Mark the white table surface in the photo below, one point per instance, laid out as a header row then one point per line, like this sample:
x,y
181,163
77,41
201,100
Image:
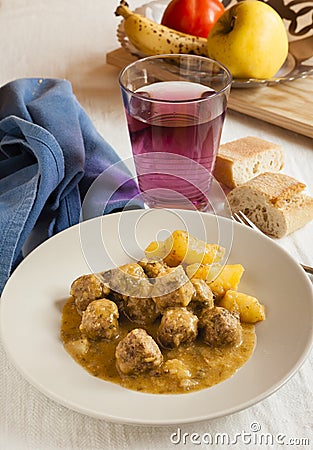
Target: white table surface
x,y
69,39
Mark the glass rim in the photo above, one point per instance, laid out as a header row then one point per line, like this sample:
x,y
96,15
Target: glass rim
x,y
168,56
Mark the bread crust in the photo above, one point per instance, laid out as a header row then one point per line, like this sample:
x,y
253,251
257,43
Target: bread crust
x,y
240,160
277,187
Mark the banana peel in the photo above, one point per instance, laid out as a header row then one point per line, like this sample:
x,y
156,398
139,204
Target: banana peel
x,y
151,38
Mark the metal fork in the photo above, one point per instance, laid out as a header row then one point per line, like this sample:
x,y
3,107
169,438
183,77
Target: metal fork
x,y
240,217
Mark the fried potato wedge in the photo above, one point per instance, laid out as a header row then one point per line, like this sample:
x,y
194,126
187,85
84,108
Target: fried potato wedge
x,y
228,278
181,247
249,307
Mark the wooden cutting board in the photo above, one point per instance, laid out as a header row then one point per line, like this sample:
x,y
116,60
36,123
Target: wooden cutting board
x,y
288,105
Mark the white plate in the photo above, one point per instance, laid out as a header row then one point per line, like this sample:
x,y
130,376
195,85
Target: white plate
x,y
33,297
291,70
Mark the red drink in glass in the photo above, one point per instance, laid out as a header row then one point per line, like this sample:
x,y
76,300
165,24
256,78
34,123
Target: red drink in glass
x,y
175,127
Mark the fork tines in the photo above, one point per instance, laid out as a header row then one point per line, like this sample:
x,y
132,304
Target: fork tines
x,y
240,217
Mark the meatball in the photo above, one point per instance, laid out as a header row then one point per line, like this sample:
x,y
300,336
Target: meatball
x,y
152,268
87,288
100,320
118,299
172,288
177,325
137,353
140,310
202,292
202,297
130,280
219,327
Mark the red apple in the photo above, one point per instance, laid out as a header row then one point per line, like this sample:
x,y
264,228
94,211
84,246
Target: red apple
x,y
195,17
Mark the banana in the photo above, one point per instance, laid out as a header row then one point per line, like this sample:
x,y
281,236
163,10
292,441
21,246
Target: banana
x,y
152,38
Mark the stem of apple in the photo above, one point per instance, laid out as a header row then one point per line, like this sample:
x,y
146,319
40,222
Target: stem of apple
x,y
232,22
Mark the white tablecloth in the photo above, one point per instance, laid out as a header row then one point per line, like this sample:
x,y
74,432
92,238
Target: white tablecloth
x,y
69,39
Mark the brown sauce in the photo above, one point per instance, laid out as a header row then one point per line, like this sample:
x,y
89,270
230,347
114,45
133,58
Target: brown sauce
x,y
206,366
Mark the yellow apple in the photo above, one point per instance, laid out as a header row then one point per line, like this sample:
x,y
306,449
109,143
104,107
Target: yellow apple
x,y
249,38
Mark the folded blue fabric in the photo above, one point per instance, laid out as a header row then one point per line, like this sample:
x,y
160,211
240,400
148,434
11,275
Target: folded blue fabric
x,y
50,156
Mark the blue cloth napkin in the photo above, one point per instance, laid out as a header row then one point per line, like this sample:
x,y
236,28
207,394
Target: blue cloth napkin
x,y
50,156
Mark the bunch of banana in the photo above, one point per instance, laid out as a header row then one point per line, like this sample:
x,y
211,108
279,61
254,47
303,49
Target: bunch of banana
x,y
152,38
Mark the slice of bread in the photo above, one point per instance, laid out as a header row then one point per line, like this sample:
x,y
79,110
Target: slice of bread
x,y
274,202
239,161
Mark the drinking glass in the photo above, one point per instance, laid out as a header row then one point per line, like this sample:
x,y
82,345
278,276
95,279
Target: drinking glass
x,y
175,108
